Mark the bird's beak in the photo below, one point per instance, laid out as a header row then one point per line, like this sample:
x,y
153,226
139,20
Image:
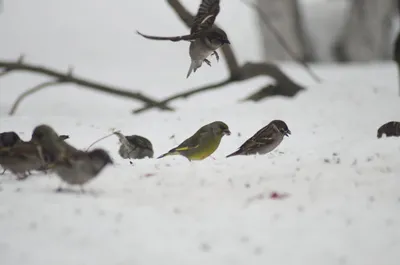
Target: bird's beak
x,y
227,132
227,41
287,133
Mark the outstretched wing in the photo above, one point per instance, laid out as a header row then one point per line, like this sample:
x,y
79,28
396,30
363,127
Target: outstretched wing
x,y
175,38
205,17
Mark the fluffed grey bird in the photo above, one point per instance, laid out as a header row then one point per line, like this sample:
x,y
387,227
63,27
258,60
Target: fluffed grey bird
x,y
73,166
390,129
205,38
10,139
265,140
21,158
134,146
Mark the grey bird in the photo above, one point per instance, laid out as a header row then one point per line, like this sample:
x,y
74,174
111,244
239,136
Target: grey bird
x,y
73,166
265,140
205,38
21,158
10,139
134,146
390,129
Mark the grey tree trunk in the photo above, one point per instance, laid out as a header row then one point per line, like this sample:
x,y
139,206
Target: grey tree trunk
x,y
366,35
396,56
286,17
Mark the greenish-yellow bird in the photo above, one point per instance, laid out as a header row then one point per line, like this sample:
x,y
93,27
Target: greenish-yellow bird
x,y
203,143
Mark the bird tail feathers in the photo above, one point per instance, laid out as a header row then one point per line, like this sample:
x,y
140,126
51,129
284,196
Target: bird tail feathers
x,y
193,67
238,152
172,152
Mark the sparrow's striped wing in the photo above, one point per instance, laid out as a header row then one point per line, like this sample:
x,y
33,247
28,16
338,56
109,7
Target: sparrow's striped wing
x,y
205,17
263,137
175,38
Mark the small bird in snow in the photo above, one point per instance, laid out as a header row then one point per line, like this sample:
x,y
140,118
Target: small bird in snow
x,y
8,139
73,166
391,128
204,38
21,158
134,146
265,140
203,143
11,139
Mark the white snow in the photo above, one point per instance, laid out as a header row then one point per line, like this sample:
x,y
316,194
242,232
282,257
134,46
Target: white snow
x,y
171,211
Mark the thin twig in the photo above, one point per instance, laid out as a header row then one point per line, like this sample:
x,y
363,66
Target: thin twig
x,y
102,138
188,94
22,66
31,91
280,39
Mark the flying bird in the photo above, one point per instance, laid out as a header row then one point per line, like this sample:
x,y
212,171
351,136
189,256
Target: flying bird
x,y
204,37
201,144
265,140
390,129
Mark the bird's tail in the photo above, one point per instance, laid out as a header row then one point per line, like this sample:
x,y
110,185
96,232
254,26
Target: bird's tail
x,y
238,152
170,152
193,67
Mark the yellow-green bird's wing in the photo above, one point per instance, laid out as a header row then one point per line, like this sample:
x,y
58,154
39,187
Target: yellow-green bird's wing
x,y
190,143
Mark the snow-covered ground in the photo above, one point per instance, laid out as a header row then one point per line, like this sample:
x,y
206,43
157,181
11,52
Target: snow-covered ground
x,y
342,183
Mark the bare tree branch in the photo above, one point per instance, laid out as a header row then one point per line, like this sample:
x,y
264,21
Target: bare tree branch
x,y
32,91
285,86
188,94
280,39
21,66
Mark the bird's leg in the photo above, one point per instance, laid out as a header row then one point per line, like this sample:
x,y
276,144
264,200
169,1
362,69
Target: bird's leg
x,y
29,173
4,170
213,157
216,55
207,62
82,190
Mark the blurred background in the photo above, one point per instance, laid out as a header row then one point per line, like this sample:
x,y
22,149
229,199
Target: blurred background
x,y
332,30
97,38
